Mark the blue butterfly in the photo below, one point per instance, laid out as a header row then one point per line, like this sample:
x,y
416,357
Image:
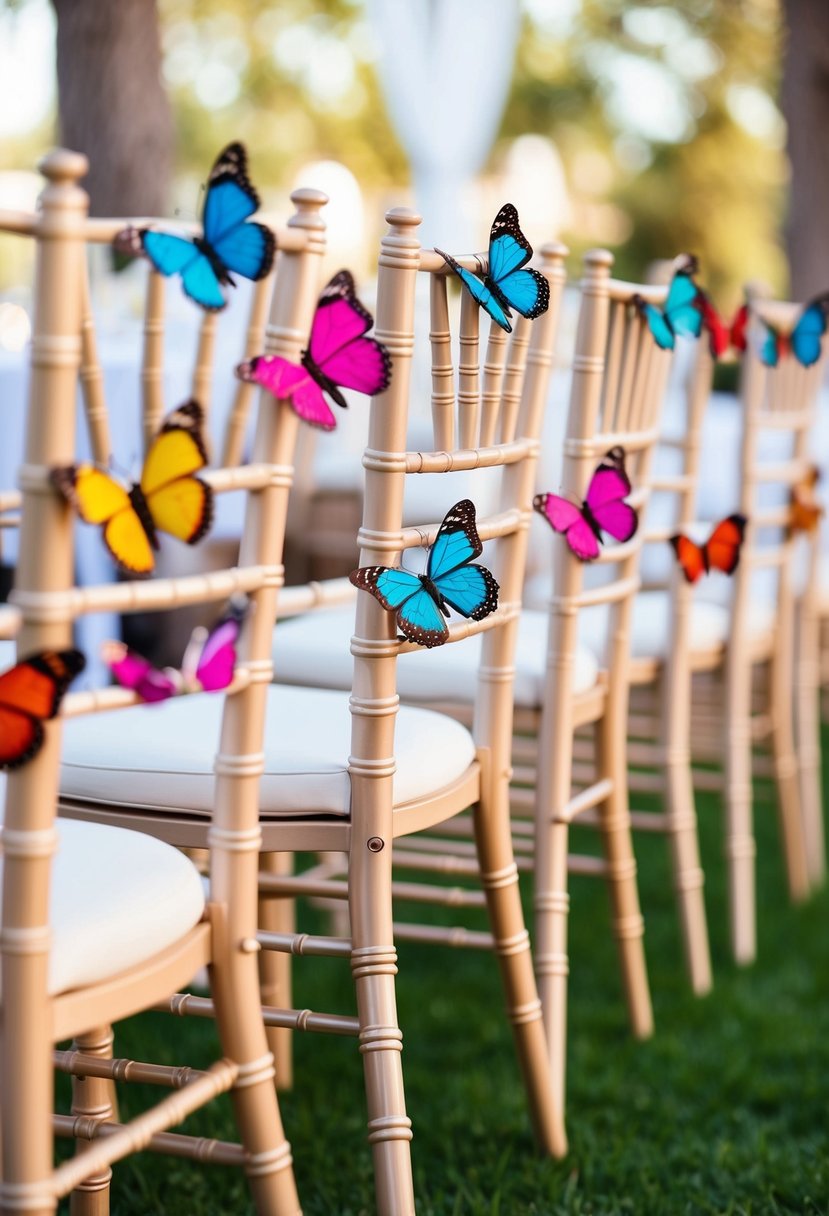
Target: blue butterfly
x,y
682,311
228,243
505,285
806,339
420,600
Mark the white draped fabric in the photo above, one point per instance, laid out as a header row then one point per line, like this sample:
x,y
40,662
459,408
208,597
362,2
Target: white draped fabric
x,y
445,68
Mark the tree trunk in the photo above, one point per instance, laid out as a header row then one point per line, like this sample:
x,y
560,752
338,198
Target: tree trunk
x,y
112,102
805,98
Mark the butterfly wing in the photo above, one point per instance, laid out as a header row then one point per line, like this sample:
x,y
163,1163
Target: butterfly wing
x,y
292,383
133,671
472,591
527,291
719,335
682,307
771,347
565,517
509,249
247,249
179,503
806,338
177,255
738,328
479,291
30,693
661,329
609,485
724,544
217,661
418,616
98,499
338,345
690,556
456,543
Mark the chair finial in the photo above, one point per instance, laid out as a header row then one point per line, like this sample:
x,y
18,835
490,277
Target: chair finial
x,y
400,246
62,166
598,259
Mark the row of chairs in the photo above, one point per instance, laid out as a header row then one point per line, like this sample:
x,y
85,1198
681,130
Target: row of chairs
x,y
374,757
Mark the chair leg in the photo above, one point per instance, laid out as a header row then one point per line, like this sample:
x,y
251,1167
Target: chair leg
x,y
499,878
234,982
551,905
689,878
786,774
807,724
623,889
740,847
373,967
92,1097
275,967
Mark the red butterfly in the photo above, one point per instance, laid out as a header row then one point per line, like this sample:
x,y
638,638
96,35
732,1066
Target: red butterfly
x,y
720,552
722,337
30,693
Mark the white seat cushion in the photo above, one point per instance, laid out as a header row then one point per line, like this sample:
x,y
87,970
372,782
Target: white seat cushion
x,y
117,899
161,756
314,650
650,632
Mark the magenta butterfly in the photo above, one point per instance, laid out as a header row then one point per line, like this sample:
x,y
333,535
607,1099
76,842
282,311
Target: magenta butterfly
x,y
603,510
207,666
339,355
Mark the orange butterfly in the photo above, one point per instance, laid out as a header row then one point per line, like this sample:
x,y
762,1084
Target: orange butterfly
x,y
720,552
168,497
805,510
30,693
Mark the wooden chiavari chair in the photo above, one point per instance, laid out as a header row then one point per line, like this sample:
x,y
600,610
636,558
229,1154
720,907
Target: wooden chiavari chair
x,y
618,388
97,922
749,667
317,795
782,401
673,635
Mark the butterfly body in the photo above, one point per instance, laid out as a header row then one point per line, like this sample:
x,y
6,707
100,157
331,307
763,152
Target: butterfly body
x,y
603,509
682,312
506,284
30,694
339,355
229,241
720,552
451,580
167,498
142,510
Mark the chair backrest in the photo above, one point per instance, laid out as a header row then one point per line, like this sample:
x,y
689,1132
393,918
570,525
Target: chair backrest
x,y
778,415
618,388
45,602
104,231
492,421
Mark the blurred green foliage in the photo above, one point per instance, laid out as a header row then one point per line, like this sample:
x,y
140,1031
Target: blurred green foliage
x,y
663,115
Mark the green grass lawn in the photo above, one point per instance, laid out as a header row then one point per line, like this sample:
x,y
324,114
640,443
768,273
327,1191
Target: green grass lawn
x,y
723,1111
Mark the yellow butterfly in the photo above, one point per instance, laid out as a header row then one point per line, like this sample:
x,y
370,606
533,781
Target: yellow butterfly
x,y
168,498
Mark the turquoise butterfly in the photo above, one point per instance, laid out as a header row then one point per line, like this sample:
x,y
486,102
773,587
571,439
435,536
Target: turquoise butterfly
x,y
506,285
420,600
683,309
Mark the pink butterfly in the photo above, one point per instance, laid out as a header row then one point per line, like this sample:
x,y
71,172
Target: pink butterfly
x,y
339,355
207,666
603,509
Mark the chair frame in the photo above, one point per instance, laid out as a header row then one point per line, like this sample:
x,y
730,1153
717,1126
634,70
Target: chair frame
x,y
45,603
